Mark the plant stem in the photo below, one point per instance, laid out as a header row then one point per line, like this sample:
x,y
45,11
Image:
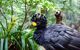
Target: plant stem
x,y
25,15
2,13
11,10
2,27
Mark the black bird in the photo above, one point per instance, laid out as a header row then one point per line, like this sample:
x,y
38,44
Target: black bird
x,y
57,36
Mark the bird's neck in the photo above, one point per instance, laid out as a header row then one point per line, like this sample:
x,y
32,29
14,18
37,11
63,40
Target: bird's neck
x,y
41,27
59,20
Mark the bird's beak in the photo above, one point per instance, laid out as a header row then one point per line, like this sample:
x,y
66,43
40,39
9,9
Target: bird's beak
x,y
34,24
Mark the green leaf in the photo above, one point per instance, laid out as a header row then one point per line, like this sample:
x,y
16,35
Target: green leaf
x,y
23,43
2,44
6,43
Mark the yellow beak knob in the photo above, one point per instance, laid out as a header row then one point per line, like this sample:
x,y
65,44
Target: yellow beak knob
x,y
34,23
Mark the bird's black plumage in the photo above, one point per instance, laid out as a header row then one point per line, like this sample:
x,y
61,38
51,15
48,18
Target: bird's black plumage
x,y
55,37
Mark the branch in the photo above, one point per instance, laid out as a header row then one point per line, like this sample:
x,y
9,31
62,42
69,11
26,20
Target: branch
x,y
11,10
2,26
4,18
25,15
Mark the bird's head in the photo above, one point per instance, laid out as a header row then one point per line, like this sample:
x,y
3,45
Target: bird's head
x,y
58,14
39,20
59,17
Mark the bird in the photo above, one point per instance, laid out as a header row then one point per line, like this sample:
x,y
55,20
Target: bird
x,y
55,37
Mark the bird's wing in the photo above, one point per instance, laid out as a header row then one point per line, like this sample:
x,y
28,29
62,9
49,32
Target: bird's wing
x,y
74,44
61,36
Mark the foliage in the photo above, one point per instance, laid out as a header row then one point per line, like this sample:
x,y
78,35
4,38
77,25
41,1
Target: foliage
x,y
15,15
